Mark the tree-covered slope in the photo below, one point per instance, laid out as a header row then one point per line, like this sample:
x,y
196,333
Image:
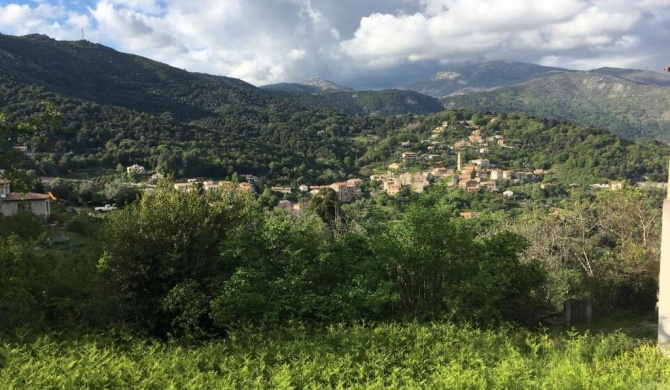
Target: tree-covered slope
x,y
121,109
375,103
480,77
631,109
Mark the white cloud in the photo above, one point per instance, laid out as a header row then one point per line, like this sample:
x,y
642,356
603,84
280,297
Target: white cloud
x,y
265,41
449,29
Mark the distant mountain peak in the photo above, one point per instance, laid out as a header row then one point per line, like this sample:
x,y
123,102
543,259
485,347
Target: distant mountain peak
x,y
324,84
482,76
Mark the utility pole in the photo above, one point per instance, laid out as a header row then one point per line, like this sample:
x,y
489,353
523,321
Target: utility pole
x,y
664,277
664,274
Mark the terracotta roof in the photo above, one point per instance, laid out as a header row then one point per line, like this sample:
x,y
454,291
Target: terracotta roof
x,y
16,197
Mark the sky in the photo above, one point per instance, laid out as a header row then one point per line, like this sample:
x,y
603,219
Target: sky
x,y
358,43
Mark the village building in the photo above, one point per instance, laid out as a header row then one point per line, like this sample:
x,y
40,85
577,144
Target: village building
x,y
490,185
392,187
469,214
440,173
482,163
507,174
189,186
346,192
283,190
409,156
211,186
13,202
526,176
496,174
244,186
293,208
135,168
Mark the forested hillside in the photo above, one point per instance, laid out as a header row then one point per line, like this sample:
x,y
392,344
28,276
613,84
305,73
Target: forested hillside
x,y
123,109
118,109
631,109
221,286
374,103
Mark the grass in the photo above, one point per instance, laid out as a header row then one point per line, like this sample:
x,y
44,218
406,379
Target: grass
x,y
385,356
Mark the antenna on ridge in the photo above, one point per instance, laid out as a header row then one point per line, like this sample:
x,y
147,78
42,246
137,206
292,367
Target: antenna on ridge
x,y
82,34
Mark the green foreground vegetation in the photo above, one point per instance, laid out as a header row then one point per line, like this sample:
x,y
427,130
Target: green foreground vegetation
x,y
383,356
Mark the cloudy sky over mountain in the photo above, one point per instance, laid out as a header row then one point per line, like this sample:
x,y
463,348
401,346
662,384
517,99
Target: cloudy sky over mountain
x,y
359,43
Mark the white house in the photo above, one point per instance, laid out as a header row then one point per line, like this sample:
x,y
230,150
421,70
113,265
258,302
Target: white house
x,y
13,202
135,169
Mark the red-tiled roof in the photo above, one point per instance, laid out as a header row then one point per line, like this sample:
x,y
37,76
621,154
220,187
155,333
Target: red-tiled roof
x,y
16,197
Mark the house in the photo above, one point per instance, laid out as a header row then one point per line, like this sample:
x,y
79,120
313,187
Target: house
x,y
244,186
526,176
21,148
482,163
409,156
395,166
190,186
13,202
496,174
303,188
508,194
157,176
475,138
210,186
283,190
346,192
469,214
440,173
250,178
470,185
392,188
354,182
420,185
405,144
293,208
490,185
135,169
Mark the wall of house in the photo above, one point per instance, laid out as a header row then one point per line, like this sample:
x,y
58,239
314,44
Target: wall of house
x,y
41,208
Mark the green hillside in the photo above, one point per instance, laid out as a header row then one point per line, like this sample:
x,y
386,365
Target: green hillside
x,y
374,103
631,109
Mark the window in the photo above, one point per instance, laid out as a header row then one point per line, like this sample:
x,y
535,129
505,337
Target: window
x,y
25,206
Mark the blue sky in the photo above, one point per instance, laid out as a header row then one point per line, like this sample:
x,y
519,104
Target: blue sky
x,y
359,43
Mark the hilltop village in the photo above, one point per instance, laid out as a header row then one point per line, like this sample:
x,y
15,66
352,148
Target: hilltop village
x,y
419,165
